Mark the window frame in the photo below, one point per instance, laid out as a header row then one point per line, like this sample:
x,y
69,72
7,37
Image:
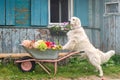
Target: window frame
x,y
70,12
108,3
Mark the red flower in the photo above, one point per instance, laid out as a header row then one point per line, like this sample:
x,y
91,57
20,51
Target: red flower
x,y
49,44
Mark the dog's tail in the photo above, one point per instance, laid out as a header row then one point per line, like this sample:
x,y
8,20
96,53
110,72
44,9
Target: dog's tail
x,y
108,55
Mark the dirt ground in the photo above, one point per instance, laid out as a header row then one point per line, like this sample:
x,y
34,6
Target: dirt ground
x,y
90,78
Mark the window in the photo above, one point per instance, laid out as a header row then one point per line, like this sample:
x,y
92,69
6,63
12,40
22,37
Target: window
x,y
112,7
60,11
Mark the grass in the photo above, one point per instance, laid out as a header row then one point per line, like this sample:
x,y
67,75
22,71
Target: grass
x,y
74,69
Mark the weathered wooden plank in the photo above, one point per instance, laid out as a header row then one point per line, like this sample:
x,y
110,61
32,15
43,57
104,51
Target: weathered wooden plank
x,y
37,34
89,34
10,12
44,34
55,39
2,12
62,40
111,0
15,40
30,34
81,10
109,31
35,12
112,33
65,39
14,55
92,21
97,11
7,44
58,39
105,32
20,55
1,38
96,38
22,13
117,37
44,12
90,13
39,12
48,34
23,36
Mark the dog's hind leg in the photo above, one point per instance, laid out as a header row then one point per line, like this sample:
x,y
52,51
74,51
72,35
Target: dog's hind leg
x,y
96,63
100,70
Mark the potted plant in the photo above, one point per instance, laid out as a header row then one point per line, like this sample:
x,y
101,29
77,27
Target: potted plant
x,y
59,30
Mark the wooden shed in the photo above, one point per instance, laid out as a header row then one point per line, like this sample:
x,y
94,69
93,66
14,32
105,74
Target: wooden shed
x,y
30,19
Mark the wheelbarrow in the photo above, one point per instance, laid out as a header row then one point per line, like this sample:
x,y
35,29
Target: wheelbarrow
x,y
27,64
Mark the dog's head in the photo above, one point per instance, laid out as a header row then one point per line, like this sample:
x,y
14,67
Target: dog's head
x,y
75,22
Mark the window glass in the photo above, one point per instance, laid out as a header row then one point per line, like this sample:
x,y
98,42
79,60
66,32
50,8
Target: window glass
x,y
54,9
64,10
58,11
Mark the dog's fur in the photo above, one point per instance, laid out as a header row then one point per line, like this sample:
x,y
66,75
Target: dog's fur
x,y
78,41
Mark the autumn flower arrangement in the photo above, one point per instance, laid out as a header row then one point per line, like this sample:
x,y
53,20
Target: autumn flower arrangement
x,y
41,45
60,30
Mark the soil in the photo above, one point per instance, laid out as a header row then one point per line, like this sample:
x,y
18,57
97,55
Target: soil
x,y
91,78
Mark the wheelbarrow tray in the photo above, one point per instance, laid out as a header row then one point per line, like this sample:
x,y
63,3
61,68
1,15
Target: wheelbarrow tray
x,y
48,54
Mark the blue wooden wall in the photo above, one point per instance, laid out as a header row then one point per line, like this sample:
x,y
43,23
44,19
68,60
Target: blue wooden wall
x,y
2,12
10,12
39,12
24,13
81,11
35,12
7,12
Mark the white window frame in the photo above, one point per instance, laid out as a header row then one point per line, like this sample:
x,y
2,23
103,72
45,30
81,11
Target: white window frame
x,y
70,12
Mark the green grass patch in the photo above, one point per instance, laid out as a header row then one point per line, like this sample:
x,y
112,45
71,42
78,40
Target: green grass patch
x,y
74,69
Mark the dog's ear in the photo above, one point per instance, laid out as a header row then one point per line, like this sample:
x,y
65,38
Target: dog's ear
x,y
78,22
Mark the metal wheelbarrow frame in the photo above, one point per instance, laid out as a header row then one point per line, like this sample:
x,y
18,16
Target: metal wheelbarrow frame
x,y
27,64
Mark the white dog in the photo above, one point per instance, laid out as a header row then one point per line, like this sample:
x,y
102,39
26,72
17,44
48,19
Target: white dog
x,y
78,41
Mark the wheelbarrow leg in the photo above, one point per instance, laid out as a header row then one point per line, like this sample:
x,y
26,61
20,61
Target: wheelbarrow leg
x,y
43,68
55,68
46,67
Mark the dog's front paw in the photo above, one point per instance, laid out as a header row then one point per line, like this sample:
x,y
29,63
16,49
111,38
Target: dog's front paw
x,y
63,48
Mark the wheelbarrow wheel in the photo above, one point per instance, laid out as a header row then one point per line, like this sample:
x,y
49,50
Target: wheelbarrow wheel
x,y
27,66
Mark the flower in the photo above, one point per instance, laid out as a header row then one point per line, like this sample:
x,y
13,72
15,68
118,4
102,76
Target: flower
x,y
27,43
60,29
41,45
